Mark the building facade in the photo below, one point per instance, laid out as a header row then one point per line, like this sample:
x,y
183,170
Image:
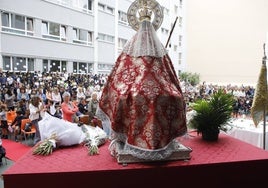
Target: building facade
x,y
76,36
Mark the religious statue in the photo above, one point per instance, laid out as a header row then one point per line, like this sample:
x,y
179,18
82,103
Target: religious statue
x,y
142,98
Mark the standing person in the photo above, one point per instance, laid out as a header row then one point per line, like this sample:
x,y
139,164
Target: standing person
x,y
41,94
93,104
9,100
3,119
10,80
80,94
56,96
69,108
36,112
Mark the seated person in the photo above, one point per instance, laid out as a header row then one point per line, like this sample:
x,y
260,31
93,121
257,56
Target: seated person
x,y
82,106
53,108
16,124
22,106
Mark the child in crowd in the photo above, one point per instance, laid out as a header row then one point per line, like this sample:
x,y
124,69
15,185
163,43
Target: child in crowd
x,y
3,118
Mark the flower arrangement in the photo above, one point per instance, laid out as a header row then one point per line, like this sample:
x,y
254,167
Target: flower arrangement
x,y
47,146
57,132
95,137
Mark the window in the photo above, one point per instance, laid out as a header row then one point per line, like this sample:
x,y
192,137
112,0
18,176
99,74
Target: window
x,y
176,9
80,5
110,10
82,68
54,66
90,67
5,19
105,8
63,33
180,40
17,24
175,48
53,31
101,7
75,67
122,16
63,66
18,64
29,26
101,36
90,5
121,43
66,2
6,63
180,21
82,36
110,38
84,4
90,37
45,65
180,57
44,28
105,66
30,64
104,37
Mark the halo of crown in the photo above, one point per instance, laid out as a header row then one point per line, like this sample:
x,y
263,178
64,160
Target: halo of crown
x,y
141,10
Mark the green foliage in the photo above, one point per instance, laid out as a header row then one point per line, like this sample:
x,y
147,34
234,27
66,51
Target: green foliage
x,y
212,114
192,78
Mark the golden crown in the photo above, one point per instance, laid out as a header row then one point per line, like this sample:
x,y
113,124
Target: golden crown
x,y
144,11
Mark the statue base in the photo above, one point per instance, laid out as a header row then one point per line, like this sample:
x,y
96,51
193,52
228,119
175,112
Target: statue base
x,y
180,152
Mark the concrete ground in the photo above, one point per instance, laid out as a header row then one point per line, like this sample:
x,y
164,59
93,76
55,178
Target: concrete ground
x,y
6,164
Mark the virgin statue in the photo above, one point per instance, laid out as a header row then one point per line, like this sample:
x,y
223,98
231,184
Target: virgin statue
x,y
142,98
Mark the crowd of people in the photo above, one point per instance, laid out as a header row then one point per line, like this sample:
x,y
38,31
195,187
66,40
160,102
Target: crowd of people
x,y
243,95
68,96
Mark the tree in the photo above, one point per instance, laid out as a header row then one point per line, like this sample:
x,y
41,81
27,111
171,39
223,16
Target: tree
x,y
192,78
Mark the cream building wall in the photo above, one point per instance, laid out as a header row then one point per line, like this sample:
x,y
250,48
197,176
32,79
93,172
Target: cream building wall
x,y
224,39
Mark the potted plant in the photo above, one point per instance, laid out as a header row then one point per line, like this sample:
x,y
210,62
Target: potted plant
x,y
211,115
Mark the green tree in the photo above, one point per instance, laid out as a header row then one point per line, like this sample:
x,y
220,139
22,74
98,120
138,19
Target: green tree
x,y
192,78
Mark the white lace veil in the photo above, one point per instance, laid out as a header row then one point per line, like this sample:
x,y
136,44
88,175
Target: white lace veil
x,y
145,42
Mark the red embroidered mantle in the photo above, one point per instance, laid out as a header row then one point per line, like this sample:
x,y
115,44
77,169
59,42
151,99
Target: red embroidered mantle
x,y
144,101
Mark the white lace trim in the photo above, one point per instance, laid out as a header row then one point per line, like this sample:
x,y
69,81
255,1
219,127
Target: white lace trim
x,y
145,154
145,42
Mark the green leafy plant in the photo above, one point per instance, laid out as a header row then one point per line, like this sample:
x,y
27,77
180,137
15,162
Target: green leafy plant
x,y
211,115
192,78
